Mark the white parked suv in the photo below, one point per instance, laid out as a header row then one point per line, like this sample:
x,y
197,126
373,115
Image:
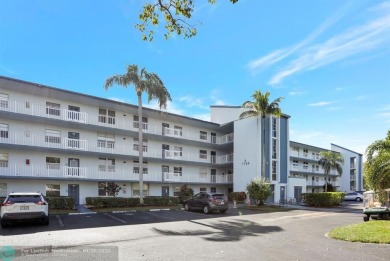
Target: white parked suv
x,y
19,206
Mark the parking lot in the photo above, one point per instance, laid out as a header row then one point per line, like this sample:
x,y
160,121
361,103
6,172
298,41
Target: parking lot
x,y
79,221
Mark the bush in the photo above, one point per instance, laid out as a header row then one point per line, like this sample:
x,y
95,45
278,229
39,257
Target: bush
x,y
237,196
60,202
111,202
185,193
323,199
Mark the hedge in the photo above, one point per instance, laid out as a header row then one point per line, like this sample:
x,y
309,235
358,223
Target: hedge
x,y
238,196
111,202
323,199
60,202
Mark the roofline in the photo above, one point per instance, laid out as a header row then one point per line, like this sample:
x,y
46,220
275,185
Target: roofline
x,y
108,100
238,107
308,145
332,144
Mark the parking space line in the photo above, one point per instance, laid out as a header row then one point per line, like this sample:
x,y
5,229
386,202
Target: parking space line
x,y
111,216
152,214
60,221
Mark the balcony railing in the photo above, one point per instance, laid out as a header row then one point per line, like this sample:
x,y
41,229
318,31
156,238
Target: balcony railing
x,y
322,183
28,108
97,173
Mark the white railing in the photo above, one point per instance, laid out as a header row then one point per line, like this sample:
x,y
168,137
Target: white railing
x,y
112,148
322,183
97,173
28,108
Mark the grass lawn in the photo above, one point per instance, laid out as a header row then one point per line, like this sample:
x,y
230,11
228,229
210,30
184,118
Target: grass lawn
x,y
377,231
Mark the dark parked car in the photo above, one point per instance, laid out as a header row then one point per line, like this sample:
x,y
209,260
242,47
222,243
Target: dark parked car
x,y
207,203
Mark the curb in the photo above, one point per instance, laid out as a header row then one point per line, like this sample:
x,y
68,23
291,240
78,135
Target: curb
x,y
124,211
81,213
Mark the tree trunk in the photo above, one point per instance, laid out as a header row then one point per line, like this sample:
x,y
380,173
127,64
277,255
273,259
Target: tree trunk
x,y
326,182
263,147
140,149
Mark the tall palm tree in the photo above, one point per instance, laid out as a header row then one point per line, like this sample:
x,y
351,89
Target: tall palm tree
x,y
260,106
330,160
378,147
155,89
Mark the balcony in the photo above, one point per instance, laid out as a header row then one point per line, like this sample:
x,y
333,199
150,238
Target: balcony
x,y
28,108
103,173
312,183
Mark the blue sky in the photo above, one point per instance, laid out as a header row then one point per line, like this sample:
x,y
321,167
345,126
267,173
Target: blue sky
x,y
329,59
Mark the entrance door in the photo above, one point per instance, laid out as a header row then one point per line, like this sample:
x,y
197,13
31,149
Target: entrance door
x,y
73,167
73,141
165,128
270,199
165,172
282,194
73,113
164,148
297,194
213,138
74,192
213,173
213,157
165,191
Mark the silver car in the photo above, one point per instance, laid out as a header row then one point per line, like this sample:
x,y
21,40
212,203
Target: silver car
x,y
353,196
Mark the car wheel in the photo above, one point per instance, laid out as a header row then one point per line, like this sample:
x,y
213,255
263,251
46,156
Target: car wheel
x,y
358,199
366,218
4,224
206,209
187,207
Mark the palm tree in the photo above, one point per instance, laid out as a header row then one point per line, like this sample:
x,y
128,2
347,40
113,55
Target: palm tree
x,y
377,166
260,106
154,87
330,160
378,147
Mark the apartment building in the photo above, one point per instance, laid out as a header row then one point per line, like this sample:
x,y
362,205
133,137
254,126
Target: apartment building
x,y
70,144
65,143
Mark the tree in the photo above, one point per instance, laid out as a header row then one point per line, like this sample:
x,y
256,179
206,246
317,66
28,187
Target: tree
x,y
377,166
176,15
155,89
261,107
185,192
259,189
330,160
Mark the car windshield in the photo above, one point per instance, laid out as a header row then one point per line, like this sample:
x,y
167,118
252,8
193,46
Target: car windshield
x,y
24,198
218,196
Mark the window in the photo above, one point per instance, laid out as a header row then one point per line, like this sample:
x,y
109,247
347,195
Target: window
x,y
203,189
178,151
3,160
202,173
144,145
136,189
52,163
178,130
106,116
203,154
305,152
53,109
176,192
106,165
144,167
4,131
213,190
144,122
317,168
102,189
295,164
305,165
352,162
203,135
3,189
53,190
274,170
106,141
178,170
274,146
3,101
53,136
274,127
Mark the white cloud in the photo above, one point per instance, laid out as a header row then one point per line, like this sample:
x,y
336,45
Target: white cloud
x,y
357,40
171,107
319,104
193,102
295,93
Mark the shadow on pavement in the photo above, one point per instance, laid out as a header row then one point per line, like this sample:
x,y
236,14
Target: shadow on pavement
x,y
226,230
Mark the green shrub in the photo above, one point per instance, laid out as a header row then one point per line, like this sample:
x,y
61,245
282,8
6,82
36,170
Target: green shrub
x,y
185,193
237,196
60,202
118,202
323,199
